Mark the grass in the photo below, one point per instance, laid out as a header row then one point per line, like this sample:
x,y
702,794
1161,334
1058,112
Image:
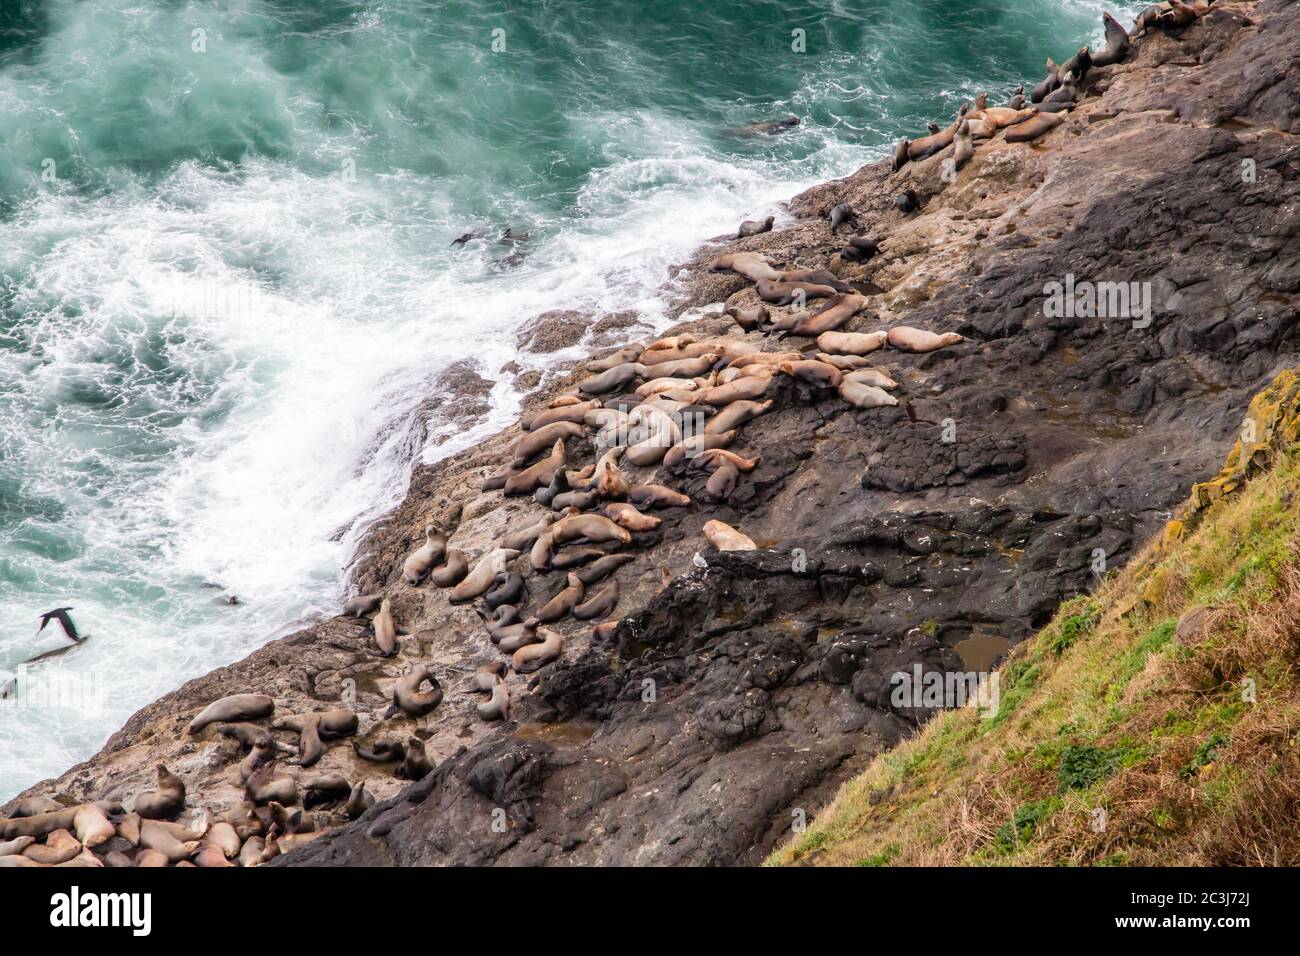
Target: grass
x,y
1118,739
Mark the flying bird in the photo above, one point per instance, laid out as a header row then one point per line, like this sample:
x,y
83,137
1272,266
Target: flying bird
x,y
60,614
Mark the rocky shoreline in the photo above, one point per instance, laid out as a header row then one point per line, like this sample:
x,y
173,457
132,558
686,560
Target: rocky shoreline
x,y
733,699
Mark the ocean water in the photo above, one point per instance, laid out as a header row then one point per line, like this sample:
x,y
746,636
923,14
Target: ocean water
x,y
227,278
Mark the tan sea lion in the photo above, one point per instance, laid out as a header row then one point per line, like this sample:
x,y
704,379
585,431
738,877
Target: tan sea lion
x,y
594,528
726,538
385,628
223,835
409,699
907,339
310,747
522,635
523,540
15,846
159,839
919,149
614,380
454,567
764,358
266,785
852,343
600,604
656,496
748,388
963,145
236,707
165,802
870,376
717,457
362,606
151,858
536,656
210,855
783,293
31,806
753,227
627,516
722,482
1034,128
748,264
59,847
421,561
629,353
358,801
749,319
598,570
836,313
334,723
688,448
570,414
477,582
865,396
845,363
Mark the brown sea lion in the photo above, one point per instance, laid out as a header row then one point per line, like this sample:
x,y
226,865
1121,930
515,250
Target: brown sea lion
x,y
839,310
615,380
870,376
165,802
688,448
629,353
753,227
1053,80
409,699
564,602
901,153
236,707
326,789
597,571
490,678
159,839
16,845
358,801
223,835
748,388
812,372
570,414
334,723
627,516
416,765
919,149
362,606
963,145
310,747
536,476
535,442
722,482
523,540
1118,44
265,785
783,293
519,636
59,847
381,750
600,604
749,319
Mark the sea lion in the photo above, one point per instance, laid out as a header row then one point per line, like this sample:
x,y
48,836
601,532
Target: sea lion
x,y
570,414
151,859
358,801
1017,100
1067,92
627,516
1078,65
682,368
507,588
258,756
845,363
250,854
31,806
500,624
334,723
865,396
1032,129
852,343
963,145
490,678
907,201
421,561
907,339
567,558
870,376
323,790
597,571
722,483
812,372
518,636
248,735
382,750
716,458
726,538
416,764
840,214
599,605
536,656
535,442
362,606
210,855
753,227
581,500
59,847
385,628
452,571
860,249
839,310
15,846
264,786
562,603
165,802
656,496
683,451
748,388
614,380
236,707
480,579
594,528
310,746
159,839
734,415
409,699
536,476
901,153
783,293
1053,80
766,127
558,486
749,319
748,264
629,353
223,836
39,824
1118,44
919,149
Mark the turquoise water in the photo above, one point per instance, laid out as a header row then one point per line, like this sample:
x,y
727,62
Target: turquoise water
x,y
226,276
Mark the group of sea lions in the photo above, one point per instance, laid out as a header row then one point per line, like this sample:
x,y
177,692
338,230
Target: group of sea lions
x,y
280,810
